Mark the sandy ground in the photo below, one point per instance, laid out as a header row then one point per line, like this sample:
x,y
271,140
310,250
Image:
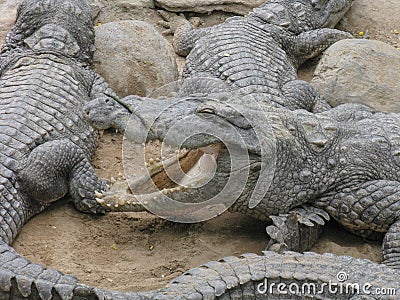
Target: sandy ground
x,y
137,251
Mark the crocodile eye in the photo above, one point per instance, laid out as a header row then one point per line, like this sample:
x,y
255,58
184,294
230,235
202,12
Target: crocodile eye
x,y
292,129
330,128
317,4
309,126
206,110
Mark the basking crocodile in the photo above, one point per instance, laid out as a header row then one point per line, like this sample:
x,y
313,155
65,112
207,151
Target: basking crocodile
x,y
344,162
260,53
45,144
250,276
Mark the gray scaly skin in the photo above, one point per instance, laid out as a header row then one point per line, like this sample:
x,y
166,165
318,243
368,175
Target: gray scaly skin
x,y
229,278
45,144
260,53
343,162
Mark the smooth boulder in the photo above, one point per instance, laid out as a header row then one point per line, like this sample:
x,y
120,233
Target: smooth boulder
x,y
133,57
360,71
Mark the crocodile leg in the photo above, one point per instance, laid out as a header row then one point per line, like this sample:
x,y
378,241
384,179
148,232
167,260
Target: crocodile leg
x,y
297,231
300,95
372,206
185,34
391,246
312,43
57,167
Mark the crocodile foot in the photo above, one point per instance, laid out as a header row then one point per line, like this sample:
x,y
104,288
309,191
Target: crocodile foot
x,y
88,203
296,231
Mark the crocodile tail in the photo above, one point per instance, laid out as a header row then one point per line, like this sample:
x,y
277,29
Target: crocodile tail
x,y
252,276
21,279
246,277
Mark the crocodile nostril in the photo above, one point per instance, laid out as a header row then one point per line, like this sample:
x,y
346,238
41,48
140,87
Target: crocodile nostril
x,y
320,143
314,3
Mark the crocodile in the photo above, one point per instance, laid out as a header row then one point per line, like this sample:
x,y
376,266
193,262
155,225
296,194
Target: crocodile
x,y
269,276
45,143
342,163
261,52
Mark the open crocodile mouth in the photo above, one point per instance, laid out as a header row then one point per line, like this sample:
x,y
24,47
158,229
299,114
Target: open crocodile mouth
x,y
168,187
182,170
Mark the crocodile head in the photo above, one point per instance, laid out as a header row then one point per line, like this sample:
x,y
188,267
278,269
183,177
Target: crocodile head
x,y
58,26
303,15
234,144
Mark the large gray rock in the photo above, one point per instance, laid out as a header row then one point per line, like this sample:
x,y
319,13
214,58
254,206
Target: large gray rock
x,y
361,71
133,57
241,7
8,14
109,11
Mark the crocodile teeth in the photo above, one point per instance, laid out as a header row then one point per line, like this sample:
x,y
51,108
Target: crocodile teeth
x,y
100,201
121,202
297,5
285,24
98,194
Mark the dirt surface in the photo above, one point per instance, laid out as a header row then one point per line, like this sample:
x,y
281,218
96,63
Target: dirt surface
x,y
137,251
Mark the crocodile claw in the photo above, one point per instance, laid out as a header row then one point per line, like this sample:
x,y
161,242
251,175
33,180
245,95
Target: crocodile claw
x,y
119,201
296,231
